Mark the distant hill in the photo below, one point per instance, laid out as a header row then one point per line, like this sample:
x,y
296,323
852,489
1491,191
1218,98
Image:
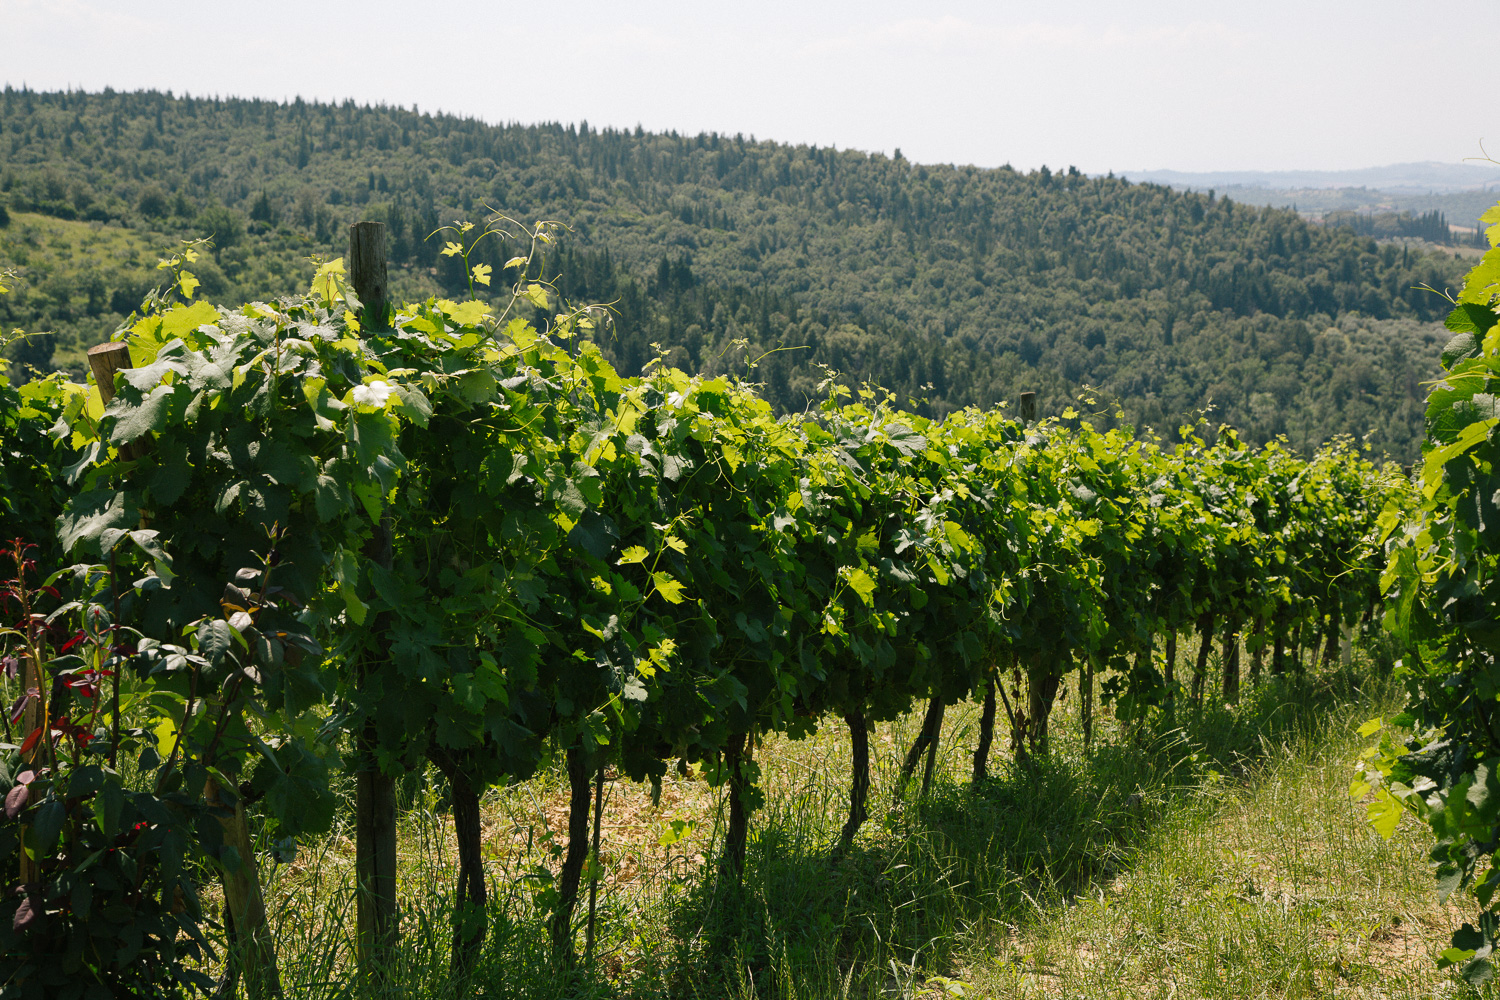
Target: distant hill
x,y
1401,178
949,285
1458,193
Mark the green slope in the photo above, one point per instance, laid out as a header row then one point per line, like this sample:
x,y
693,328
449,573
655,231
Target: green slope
x,y
950,284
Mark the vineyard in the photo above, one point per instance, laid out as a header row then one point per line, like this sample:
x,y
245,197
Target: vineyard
x,y
280,565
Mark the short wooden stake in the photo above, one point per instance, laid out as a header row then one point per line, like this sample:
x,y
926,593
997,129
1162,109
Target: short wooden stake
x,y
104,361
1028,406
367,271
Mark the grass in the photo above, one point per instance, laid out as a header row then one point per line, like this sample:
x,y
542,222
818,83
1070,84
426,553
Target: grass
x,y
1215,856
59,261
69,272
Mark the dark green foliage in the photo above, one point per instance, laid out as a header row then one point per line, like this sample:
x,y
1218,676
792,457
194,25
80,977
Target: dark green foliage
x,y
1430,226
107,905
511,553
1443,602
31,492
116,908
950,285
152,203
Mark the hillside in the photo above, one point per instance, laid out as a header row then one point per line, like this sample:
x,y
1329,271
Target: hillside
x,y
949,284
1437,203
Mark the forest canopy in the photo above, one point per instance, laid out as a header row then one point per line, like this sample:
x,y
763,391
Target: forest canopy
x,y
948,284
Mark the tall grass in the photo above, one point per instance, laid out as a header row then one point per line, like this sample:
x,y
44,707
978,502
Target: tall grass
x,y
1212,854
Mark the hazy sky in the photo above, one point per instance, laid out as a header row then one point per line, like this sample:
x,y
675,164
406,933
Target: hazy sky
x,y
1185,85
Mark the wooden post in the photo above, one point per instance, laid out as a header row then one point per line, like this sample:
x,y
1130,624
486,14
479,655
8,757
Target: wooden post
x,y
104,361
367,271
1278,649
1169,665
1086,696
376,917
1028,406
254,939
251,934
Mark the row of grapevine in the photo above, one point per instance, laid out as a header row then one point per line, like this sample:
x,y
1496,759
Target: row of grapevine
x,y
443,536
1436,759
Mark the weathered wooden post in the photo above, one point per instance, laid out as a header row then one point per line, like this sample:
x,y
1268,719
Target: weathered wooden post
x,y
242,894
374,791
367,271
1028,407
244,904
104,361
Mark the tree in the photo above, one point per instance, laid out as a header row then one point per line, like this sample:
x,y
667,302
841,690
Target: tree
x,y
224,226
34,351
261,211
153,202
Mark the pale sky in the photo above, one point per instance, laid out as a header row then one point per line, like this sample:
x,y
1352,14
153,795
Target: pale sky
x,y
1117,86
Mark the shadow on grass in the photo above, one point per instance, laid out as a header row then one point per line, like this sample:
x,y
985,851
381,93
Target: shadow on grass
x,y
932,882
928,886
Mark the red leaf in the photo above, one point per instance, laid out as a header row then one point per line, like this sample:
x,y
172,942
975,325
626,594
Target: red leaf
x,y
15,801
31,741
26,916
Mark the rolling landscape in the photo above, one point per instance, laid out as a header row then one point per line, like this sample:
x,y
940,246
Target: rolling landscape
x,y
441,558
1385,196
947,285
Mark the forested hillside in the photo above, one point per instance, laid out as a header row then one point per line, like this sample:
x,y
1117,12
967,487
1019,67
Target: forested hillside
x,y
948,284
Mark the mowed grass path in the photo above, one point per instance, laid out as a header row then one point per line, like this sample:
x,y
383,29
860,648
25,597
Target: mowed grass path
x,y
1213,855
1263,885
